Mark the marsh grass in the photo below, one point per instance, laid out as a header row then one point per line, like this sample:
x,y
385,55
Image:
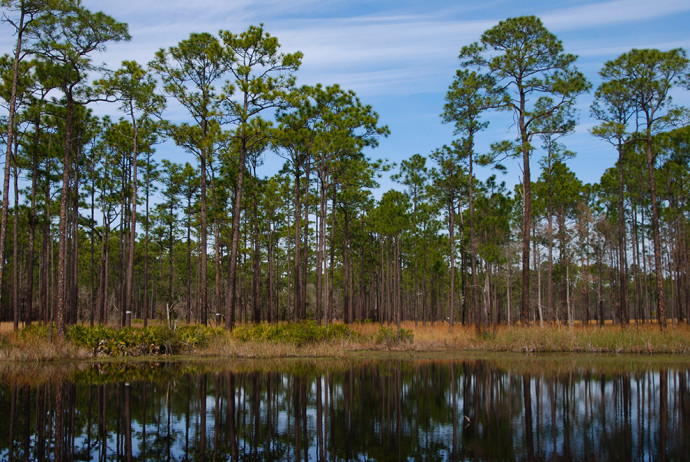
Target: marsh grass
x,y
337,340
647,339
32,344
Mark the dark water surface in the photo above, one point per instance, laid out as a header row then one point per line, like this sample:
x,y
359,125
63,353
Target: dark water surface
x,y
508,408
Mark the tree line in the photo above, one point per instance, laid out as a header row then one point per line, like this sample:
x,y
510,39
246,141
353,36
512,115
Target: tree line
x,y
101,230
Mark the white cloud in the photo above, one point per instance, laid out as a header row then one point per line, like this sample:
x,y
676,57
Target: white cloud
x,y
612,12
594,48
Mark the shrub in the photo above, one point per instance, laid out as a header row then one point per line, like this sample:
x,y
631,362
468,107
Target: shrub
x,y
299,333
389,336
133,341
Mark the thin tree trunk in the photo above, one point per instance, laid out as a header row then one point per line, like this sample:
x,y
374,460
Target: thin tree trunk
x,y
478,318
398,295
331,266
256,273
92,262
622,312
74,254
10,139
298,241
15,246
189,259
216,245
62,246
526,212
122,254
203,244
305,253
320,243
171,251
661,300
129,303
508,291
146,240
537,268
236,210
33,222
549,282
451,233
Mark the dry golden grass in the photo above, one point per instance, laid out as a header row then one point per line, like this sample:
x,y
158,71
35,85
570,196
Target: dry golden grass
x,y
6,327
534,339
15,347
429,338
438,337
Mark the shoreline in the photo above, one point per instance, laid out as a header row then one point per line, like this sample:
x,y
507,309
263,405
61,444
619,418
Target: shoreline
x,y
337,341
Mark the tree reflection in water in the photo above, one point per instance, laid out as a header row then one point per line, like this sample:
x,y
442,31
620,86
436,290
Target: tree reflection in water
x,y
386,410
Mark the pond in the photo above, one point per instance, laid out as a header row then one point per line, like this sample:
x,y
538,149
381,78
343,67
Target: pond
x,y
501,408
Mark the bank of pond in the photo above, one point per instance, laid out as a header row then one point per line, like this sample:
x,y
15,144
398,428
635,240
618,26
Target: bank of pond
x,y
308,339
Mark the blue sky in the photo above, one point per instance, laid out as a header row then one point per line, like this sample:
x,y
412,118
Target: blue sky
x,y
400,56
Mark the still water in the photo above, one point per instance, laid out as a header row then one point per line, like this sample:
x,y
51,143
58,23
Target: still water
x,y
491,409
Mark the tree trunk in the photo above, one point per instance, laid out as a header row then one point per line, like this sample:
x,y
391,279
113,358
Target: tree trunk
x,y
10,141
478,318
256,272
189,259
92,262
526,212
171,251
331,266
122,254
549,282
622,312
146,241
44,268
298,242
203,238
74,254
15,246
62,246
216,247
451,233
305,253
660,300
398,297
129,303
321,244
537,268
236,210
33,222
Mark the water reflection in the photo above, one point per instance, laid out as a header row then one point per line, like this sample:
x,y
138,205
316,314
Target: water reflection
x,y
390,410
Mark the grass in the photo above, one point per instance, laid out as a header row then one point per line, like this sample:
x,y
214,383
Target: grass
x,y
308,339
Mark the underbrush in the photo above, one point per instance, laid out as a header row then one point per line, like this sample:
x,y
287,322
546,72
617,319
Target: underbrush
x,y
137,341
309,339
388,336
298,334
34,343
610,339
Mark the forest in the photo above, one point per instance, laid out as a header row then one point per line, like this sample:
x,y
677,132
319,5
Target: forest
x,y
98,229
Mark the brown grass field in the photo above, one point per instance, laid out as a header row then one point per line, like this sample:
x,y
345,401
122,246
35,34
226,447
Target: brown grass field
x,y
430,338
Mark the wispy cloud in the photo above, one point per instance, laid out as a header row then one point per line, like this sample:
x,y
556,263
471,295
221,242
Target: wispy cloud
x,y
594,48
402,50
597,14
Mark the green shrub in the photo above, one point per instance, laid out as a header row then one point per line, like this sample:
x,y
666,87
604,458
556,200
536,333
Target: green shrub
x,y
134,341
35,331
389,336
198,336
299,333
